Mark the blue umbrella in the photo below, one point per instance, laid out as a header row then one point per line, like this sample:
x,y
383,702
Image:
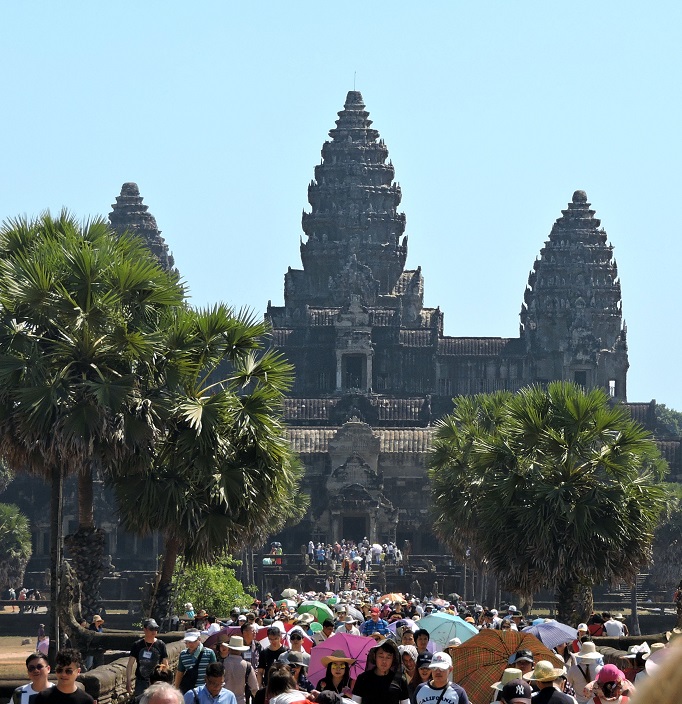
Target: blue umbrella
x,y
443,627
552,633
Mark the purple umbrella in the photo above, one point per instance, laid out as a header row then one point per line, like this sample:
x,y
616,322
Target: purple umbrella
x,y
223,634
552,633
355,647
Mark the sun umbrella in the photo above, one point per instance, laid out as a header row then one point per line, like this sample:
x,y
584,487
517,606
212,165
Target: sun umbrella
x,y
393,596
290,603
480,662
353,646
443,627
393,626
552,633
262,633
289,593
355,613
223,634
332,600
319,610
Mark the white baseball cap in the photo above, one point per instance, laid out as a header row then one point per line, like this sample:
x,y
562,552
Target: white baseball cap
x,y
440,661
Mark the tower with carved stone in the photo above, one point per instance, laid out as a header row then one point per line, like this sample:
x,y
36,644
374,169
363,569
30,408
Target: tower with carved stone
x,y
373,366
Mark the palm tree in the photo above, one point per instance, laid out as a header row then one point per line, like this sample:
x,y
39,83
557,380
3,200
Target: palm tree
x,y
79,340
15,546
224,475
565,495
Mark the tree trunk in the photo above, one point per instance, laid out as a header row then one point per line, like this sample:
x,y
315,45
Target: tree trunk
x,y
86,549
574,602
56,502
86,501
161,605
634,621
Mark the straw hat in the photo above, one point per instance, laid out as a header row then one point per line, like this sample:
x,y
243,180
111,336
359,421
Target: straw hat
x,y
544,672
337,656
510,673
236,643
588,652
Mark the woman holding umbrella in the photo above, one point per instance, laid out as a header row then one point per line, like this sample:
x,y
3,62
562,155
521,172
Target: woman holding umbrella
x,y
384,681
337,677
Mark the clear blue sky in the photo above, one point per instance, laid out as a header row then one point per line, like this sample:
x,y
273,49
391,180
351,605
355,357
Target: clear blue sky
x,y
493,114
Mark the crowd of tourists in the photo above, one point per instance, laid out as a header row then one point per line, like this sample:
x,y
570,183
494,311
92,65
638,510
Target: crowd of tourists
x,y
385,649
351,556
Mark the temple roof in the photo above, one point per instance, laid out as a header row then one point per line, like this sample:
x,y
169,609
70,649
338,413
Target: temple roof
x,y
393,440
129,214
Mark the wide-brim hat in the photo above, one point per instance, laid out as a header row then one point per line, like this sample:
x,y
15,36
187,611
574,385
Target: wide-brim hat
x,y
544,672
509,674
306,618
235,643
349,619
654,648
588,652
337,656
291,657
191,635
97,619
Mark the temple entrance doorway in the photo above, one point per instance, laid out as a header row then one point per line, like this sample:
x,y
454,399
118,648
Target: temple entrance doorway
x,y
354,528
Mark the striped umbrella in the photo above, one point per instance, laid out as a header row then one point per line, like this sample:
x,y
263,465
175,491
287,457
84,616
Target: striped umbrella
x,y
480,662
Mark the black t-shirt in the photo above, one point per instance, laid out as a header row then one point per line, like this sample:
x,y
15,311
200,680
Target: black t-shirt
x,y
54,696
148,656
267,657
380,689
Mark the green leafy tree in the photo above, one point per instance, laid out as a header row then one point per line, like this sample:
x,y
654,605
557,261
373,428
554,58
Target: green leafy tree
x,y
224,475
562,491
15,546
668,421
79,341
213,587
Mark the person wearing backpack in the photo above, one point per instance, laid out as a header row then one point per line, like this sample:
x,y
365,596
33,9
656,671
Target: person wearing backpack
x,y
240,677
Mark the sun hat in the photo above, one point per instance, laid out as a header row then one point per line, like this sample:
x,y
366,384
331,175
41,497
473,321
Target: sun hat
x,y
306,618
582,627
453,643
654,648
336,656
191,635
97,619
424,659
349,619
610,673
411,650
517,691
151,625
236,643
510,673
291,657
588,652
544,672
656,658
440,661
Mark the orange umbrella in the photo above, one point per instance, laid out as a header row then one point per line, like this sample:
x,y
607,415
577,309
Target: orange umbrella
x,y
480,661
392,597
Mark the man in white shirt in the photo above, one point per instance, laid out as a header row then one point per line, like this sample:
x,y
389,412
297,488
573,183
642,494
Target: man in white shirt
x,y
38,670
348,626
613,628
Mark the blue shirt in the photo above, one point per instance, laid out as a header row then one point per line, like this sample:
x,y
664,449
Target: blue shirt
x,y
203,696
370,626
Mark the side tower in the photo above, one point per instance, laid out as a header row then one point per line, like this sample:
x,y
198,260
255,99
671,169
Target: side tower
x,y
129,214
571,321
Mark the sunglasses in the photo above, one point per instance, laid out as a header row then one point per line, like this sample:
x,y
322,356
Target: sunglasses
x,y
67,670
293,668
296,637
33,668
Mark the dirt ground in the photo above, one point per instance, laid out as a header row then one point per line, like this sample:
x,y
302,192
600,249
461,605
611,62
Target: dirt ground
x,y
13,654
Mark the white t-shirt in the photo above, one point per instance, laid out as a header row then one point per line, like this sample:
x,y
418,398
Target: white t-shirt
x,y
28,691
613,628
426,694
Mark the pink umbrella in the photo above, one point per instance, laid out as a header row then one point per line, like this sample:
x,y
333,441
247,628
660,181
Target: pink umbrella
x,y
223,634
355,647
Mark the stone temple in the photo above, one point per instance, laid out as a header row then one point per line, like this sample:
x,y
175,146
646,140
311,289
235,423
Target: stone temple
x,y
373,367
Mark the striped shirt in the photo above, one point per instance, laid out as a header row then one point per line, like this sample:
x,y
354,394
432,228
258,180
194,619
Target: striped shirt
x,y
187,660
